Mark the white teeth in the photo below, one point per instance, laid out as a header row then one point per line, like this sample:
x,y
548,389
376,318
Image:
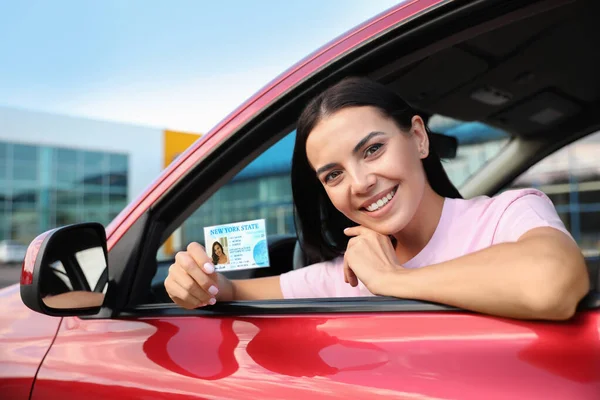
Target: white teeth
x,y
381,202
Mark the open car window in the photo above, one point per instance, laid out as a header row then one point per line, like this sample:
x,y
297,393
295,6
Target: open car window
x,y
262,190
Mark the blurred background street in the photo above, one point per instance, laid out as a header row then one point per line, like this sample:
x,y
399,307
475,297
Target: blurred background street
x,y
9,274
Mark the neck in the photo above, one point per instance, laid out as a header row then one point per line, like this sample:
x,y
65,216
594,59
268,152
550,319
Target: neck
x,y
419,231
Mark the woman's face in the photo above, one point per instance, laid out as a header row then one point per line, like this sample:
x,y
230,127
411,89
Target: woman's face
x,y
370,169
218,250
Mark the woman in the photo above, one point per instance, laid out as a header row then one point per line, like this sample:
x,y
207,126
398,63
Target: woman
x,y
218,255
374,206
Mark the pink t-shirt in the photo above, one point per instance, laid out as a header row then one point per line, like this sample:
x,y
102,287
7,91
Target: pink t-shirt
x,y
465,226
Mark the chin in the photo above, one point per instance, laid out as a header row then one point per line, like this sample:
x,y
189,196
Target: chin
x,y
387,228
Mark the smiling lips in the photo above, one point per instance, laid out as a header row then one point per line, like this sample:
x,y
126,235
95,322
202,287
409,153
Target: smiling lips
x,y
377,204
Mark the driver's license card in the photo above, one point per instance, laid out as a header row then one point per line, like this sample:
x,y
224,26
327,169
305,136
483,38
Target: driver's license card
x,y
241,245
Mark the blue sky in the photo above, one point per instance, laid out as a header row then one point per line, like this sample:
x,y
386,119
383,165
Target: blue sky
x,y
179,64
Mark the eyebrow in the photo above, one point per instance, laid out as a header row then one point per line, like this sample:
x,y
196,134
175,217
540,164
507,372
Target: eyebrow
x,y
325,168
364,140
358,146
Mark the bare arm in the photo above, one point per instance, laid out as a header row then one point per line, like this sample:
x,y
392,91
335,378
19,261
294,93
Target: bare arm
x,y
541,276
249,289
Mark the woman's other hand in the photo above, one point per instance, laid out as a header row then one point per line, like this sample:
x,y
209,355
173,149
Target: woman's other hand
x,y
370,258
192,281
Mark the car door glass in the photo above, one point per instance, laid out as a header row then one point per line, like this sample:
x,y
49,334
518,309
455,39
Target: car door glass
x,y
262,190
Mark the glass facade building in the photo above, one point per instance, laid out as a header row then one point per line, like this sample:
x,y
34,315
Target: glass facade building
x,y
42,187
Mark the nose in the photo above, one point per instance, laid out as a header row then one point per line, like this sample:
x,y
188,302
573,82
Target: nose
x,y
362,182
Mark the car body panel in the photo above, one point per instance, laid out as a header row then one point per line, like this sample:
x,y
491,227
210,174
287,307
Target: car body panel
x,y
420,355
25,337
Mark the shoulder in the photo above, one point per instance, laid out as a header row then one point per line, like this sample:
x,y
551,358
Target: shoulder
x,y
502,201
513,203
485,210
524,209
469,225
504,217
522,196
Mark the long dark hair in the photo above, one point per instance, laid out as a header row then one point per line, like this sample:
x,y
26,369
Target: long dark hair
x,y
319,224
215,257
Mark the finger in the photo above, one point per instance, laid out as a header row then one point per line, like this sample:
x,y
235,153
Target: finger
x,y
180,296
352,278
190,266
346,270
349,275
183,279
356,230
199,255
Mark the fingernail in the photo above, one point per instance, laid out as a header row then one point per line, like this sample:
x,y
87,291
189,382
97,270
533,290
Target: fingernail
x,y
212,301
213,290
209,268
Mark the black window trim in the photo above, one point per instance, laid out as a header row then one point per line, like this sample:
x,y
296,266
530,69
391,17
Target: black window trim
x,y
295,307
339,305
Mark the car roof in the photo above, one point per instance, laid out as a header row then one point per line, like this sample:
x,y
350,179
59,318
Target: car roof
x,y
523,78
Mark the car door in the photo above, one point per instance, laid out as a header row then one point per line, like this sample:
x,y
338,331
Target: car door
x,y
141,347
360,349
340,348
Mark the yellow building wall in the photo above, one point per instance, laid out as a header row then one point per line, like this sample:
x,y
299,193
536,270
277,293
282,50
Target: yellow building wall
x,y
175,143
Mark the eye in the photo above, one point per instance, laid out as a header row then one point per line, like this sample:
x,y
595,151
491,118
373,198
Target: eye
x,y
332,175
373,149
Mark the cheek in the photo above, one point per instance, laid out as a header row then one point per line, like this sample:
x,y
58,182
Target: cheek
x,y
406,165
339,199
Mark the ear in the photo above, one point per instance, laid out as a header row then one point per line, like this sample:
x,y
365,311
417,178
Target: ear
x,y
420,135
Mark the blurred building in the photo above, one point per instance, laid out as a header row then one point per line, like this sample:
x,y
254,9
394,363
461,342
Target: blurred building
x,y
57,170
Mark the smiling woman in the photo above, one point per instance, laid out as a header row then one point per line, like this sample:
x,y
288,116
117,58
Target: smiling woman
x,y
379,216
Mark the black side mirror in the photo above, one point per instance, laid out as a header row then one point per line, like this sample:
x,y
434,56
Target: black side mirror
x,y
65,271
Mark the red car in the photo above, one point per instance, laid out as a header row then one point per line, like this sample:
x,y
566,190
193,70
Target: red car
x,y
525,73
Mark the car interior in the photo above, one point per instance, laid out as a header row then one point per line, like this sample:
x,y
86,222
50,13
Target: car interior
x,y
532,72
